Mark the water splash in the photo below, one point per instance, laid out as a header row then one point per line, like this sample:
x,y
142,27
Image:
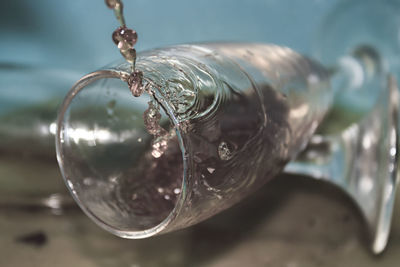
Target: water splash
x,y
151,118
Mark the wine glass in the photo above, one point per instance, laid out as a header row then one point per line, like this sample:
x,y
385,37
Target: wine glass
x,y
217,121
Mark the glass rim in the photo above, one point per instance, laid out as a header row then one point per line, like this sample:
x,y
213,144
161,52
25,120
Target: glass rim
x,y
167,108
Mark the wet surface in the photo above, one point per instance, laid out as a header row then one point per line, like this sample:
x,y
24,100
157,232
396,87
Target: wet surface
x,y
291,222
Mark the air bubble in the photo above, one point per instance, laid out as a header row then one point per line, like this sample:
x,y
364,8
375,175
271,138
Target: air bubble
x,y
135,82
160,190
225,151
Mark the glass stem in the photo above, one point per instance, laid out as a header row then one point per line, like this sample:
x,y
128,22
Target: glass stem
x,y
362,160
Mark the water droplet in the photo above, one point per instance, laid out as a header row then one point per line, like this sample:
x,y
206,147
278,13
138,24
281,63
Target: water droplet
x,y
124,34
88,181
124,46
210,170
134,196
167,197
112,3
152,118
156,154
160,190
139,140
177,191
129,54
54,201
135,82
224,151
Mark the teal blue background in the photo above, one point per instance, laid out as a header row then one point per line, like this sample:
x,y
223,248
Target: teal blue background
x,y
76,34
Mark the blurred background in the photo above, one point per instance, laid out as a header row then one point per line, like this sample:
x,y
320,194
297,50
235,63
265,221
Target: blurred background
x,y
48,45
77,34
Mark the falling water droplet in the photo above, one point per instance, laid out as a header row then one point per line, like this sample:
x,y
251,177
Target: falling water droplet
x,y
159,146
112,3
135,82
152,118
124,34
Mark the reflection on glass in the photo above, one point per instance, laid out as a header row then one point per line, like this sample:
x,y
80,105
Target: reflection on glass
x,y
361,39
363,161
